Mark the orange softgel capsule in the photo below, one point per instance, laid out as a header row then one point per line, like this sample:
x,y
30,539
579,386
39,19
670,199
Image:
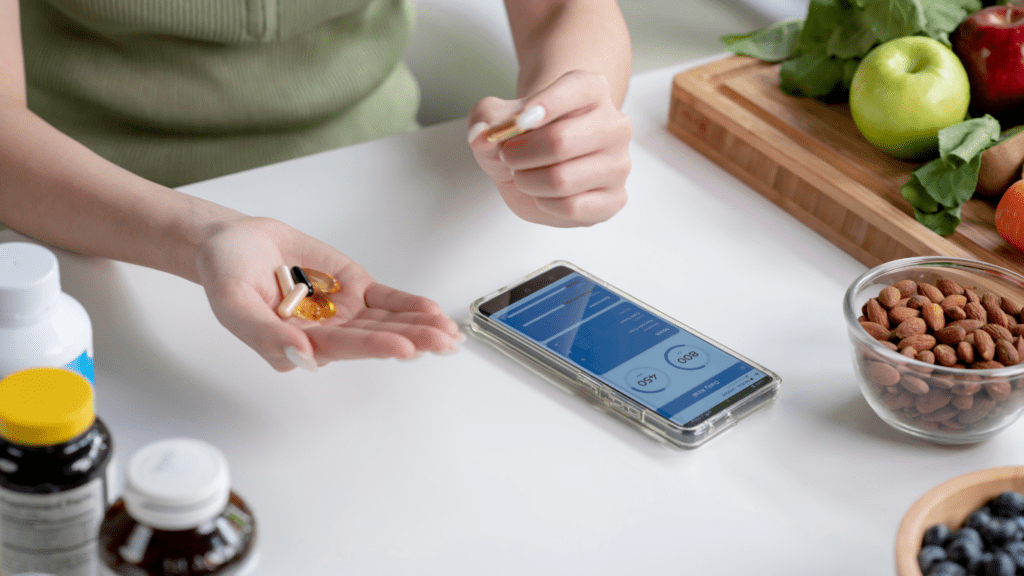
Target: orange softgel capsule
x,y
315,307
321,281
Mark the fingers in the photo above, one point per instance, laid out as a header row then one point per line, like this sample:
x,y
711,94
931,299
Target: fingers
x,y
570,169
385,334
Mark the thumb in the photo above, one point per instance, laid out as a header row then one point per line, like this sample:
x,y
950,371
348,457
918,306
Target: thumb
x,y
487,117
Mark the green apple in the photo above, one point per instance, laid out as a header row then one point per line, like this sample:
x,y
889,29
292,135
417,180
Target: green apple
x,y
905,91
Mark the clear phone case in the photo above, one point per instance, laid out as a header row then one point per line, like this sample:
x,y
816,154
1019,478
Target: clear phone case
x,y
576,381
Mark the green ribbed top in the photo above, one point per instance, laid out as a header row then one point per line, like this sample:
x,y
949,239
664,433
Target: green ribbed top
x,y
179,91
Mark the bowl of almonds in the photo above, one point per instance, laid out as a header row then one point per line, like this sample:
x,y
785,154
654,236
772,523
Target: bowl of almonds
x,y
938,346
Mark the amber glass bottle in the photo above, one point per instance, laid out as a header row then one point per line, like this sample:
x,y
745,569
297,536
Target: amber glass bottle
x,y
178,516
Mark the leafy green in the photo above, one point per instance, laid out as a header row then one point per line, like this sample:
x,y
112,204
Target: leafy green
x,y
891,19
820,55
937,189
815,74
820,52
772,44
943,16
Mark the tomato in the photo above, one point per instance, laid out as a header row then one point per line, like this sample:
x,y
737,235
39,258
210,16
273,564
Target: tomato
x,y
1010,215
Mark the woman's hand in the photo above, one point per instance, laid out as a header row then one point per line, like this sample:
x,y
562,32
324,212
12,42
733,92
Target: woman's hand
x,y
571,168
236,266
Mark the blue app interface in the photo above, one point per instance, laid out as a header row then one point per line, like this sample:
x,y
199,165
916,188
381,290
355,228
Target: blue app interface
x,y
669,370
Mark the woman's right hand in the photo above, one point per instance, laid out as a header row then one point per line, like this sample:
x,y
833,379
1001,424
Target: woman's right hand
x,y
236,264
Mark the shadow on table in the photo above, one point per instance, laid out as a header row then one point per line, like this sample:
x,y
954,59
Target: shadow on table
x,y
603,419
856,415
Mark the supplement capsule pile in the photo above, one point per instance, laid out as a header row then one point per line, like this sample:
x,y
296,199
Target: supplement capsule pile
x,y
990,542
305,293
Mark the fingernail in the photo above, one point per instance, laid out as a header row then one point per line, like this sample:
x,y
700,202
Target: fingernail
x,y
447,351
460,337
300,359
476,130
501,156
415,356
531,117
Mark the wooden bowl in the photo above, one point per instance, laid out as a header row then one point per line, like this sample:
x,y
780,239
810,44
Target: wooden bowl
x,y
950,503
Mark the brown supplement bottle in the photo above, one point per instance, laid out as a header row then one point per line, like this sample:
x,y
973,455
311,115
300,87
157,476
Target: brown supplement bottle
x,y
178,516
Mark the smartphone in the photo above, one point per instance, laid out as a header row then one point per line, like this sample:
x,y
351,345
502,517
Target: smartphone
x,y
591,338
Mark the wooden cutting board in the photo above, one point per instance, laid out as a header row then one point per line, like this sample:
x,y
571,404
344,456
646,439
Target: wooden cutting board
x,y
810,159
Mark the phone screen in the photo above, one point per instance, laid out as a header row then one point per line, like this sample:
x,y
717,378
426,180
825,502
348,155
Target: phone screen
x,y
676,373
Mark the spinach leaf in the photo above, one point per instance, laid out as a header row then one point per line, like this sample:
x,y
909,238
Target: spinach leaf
x,y
852,39
891,19
815,74
943,16
772,44
937,189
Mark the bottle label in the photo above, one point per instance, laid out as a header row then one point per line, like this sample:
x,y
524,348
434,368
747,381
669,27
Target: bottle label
x,y
247,568
51,533
83,365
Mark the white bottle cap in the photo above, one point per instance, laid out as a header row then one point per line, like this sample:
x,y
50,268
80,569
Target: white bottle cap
x,y
29,283
176,484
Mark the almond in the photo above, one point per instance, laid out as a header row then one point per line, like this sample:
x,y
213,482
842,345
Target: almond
x,y
876,330
953,300
875,313
918,342
998,332
944,355
889,296
984,345
907,288
933,316
1006,352
910,327
998,390
948,287
881,374
901,313
930,291
965,352
950,334
914,385
975,311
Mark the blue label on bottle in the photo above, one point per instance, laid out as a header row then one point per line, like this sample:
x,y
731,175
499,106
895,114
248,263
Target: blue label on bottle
x,y
83,365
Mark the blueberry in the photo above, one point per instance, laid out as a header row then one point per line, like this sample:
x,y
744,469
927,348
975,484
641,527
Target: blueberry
x,y
1000,564
1008,504
965,551
937,535
947,568
1016,551
929,556
966,533
978,519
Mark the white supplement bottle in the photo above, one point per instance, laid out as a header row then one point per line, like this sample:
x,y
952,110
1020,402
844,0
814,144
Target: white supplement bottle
x,y
40,325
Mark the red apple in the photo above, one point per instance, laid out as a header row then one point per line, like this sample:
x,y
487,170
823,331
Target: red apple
x,y
990,43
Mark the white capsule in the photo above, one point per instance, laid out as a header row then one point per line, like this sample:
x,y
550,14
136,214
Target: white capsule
x,y
291,301
284,280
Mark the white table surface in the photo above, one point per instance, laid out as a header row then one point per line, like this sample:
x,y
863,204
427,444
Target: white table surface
x,y
469,464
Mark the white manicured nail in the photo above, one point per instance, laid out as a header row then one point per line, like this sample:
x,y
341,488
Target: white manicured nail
x,y
300,358
531,117
476,130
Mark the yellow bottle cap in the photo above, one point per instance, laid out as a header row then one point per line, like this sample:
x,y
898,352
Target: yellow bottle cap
x,y
45,406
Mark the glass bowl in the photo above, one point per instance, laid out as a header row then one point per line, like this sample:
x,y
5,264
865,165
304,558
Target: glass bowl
x,y
960,399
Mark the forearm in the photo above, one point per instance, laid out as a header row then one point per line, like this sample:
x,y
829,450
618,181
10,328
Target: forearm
x,y
552,38
56,190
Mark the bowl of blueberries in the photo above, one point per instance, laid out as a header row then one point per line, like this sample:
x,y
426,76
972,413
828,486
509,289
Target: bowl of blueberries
x,y
969,525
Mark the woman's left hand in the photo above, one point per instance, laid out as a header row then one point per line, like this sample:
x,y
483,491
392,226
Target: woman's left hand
x,y
570,168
